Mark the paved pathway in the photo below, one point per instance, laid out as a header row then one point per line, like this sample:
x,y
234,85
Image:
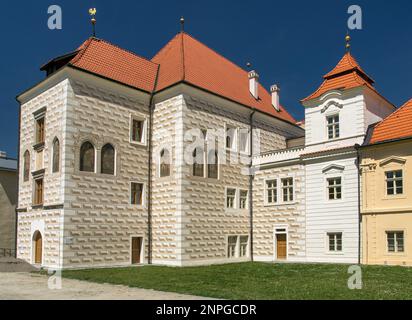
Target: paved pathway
x,y
28,286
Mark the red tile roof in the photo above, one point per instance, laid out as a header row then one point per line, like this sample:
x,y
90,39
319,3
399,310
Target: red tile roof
x,y
398,125
346,75
182,59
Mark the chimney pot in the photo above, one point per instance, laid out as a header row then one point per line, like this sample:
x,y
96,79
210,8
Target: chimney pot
x,y
254,83
275,90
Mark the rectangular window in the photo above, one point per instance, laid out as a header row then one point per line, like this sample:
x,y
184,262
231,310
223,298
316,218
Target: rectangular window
x,y
40,130
231,138
136,193
243,246
230,198
137,131
335,242
394,182
231,246
271,191
244,140
395,240
38,192
333,126
287,189
243,199
335,188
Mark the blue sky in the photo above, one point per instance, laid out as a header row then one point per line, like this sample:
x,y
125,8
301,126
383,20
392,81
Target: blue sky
x,y
292,43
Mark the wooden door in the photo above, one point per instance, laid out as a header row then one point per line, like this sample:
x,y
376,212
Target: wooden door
x,y
281,250
38,246
136,250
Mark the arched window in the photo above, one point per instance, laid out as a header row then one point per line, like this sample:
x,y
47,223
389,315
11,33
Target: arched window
x,y
107,164
198,166
212,165
26,166
164,163
56,156
87,157
37,247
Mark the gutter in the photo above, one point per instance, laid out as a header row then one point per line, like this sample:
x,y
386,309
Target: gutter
x,y
251,177
357,147
150,159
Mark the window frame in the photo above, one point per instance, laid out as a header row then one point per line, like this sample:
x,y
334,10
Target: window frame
x,y
160,175
275,194
328,187
237,248
94,158
36,201
288,187
26,170
216,153
335,126
395,241
114,159
143,195
246,207
394,180
234,198
53,169
194,157
335,234
143,120
234,142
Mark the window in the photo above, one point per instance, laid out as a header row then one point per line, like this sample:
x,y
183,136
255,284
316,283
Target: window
x,y
231,138
243,247
287,189
335,188
231,246
244,140
230,198
87,157
40,130
271,191
333,126
38,192
243,201
395,240
335,242
164,163
136,193
26,166
137,131
212,165
107,159
394,182
56,156
198,167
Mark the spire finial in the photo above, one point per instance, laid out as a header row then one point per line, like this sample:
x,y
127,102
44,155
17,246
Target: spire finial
x,y
347,39
182,24
92,13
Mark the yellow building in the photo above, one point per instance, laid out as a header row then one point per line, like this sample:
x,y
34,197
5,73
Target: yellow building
x,y
386,176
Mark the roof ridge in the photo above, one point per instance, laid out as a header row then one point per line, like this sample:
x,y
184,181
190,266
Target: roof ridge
x,y
85,45
163,48
406,104
183,57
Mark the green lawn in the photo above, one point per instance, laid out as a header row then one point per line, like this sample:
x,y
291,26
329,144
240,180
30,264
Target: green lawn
x,y
260,280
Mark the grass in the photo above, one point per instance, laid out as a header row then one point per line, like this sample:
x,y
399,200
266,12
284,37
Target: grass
x,y
261,281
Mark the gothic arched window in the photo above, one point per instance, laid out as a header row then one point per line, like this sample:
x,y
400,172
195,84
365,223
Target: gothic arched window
x,y
56,156
198,166
26,165
87,156
164,163
212,165
107,160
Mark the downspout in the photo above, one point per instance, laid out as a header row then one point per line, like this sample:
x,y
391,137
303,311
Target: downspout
x,y
18,180
251,177
149,183
357,147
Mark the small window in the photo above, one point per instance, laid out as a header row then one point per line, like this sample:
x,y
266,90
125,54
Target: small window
x,y
231,138
230,198
395,241
26,166
231,246
335,188
87,157
244,140
137,131
212,165
243,199
287,189
335,242
198,162
56,156
333,127
271,191
38,192
394,182
165,163
136,196
40,130
107,159
243,247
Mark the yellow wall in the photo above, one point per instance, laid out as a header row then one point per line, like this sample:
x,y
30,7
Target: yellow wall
x,y
380,212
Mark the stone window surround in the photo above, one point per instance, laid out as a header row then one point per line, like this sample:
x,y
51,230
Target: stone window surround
x,y
396,252
144,190
237,199
279,191
237,248
144,119
328,176
337,253
334,125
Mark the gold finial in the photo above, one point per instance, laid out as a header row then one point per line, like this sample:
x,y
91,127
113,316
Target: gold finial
x,y
92,13
347,39
182,24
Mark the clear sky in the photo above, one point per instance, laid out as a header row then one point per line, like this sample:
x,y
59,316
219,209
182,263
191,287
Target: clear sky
x,y
291,43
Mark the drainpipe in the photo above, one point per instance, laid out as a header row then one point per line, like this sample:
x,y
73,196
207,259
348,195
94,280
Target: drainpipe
x,y
357,147
149,182
251,177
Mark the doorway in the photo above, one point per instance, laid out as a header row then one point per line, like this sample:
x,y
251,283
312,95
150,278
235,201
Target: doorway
x,y
137,250
281,244
38,247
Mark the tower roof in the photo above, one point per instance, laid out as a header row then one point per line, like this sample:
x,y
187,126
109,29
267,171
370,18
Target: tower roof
x,y
346,74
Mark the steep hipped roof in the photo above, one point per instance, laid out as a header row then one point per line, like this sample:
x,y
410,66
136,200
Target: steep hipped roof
x,y
346,75
183,59
397,125
186,59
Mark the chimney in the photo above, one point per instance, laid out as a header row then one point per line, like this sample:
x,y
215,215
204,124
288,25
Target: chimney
x,y
3,154
254,83
275,96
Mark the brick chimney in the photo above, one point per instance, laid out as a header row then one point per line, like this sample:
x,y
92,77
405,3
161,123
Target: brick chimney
x,y
275,90
254,83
